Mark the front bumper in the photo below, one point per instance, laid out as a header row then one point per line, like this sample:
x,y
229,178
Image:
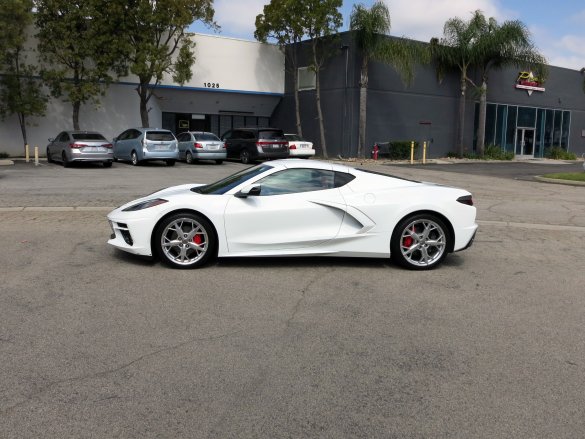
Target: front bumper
x,y
130,234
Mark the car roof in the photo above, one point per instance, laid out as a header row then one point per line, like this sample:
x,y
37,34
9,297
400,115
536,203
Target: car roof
x,y
312,164
82,132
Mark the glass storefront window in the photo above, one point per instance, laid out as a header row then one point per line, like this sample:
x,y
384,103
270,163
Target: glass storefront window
x,y
526,117
565,127
500,125
557,128
511,128
548,128
490,124
538,145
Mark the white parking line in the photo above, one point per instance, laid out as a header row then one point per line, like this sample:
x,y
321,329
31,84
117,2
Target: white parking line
x,y
532,226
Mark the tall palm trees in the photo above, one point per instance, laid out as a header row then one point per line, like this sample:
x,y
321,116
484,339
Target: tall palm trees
x,y
483,44
371,27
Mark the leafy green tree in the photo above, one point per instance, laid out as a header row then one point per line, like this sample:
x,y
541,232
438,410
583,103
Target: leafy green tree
x,y
321,19
457,49
155,32
371,27
499,46
281,21
80,48
20,92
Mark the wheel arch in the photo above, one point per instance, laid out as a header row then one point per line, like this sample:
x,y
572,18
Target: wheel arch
x,y
439,215
184,210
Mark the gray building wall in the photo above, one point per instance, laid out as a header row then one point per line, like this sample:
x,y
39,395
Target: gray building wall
x,y
424,110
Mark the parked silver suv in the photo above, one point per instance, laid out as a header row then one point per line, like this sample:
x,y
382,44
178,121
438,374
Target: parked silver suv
x,y
141,144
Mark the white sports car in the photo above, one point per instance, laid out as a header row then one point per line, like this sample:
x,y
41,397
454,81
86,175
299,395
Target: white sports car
x,y
296,207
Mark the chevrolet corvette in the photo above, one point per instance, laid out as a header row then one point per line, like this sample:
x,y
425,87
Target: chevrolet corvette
x,y
296,207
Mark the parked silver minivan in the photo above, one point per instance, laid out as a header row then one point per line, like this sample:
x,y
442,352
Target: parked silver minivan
x,y
141,144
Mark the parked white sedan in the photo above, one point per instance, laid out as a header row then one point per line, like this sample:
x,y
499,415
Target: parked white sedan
x,y
298,207
299,147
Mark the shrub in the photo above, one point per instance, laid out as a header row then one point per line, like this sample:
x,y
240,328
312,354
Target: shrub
x,y
400,150
4,155
495,152
558,153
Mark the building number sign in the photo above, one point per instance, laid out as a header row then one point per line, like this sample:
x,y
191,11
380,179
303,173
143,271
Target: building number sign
x,y
211,84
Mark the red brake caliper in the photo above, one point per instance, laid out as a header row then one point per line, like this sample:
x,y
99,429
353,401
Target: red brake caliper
x,y
197,239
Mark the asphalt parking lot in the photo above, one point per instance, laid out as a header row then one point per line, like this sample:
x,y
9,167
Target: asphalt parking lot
x,y
97,343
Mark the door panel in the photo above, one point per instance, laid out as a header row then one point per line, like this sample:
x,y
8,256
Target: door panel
x,y
279,222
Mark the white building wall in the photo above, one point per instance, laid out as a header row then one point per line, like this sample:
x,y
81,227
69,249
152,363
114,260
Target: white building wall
x,y
238,69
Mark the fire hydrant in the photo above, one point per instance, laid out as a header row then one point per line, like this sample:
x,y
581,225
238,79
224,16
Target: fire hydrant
x,y
375,151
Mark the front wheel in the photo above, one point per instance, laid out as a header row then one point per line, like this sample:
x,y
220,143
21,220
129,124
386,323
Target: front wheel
x,y
49,158
245,156
219,162
420,242
185,240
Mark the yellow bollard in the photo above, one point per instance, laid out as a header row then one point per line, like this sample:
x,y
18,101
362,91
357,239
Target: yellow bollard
x,y
26,153
36,156
412,152
424,152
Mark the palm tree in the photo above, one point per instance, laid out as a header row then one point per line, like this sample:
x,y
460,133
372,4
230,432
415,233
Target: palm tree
x,y
371,27
500,46
458,48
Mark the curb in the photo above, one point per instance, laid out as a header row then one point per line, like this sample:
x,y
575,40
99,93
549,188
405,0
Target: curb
x,y
559,181
5,162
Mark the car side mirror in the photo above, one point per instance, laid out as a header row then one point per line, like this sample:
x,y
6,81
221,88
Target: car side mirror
x,y
51,139
249,191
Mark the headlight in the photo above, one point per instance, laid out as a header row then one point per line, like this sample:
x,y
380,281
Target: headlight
x,y
145,205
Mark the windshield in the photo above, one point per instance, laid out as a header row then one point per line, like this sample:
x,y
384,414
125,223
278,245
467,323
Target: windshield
x,y
293,137
88,136
224,185
206,136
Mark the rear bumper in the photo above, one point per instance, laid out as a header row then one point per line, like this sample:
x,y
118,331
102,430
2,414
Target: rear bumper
x,y
465,238
160,155
302,152
209,155
78,156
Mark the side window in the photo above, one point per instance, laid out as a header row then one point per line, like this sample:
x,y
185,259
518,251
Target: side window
x,y
227,135
63,137
248,135
183,137
134,134
342,178
293,181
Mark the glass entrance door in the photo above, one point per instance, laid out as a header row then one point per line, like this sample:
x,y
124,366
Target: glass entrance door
x,y
525,142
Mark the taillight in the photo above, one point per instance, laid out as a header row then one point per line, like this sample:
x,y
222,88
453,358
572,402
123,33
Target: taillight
x,y
223,145
466,199
198,145
77,145
108,145
293,146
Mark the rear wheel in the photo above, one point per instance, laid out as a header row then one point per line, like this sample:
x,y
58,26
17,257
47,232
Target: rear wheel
x,y
134,159
65,160
219,162
420,242
107,164
170,162
185,240
189,158
245,156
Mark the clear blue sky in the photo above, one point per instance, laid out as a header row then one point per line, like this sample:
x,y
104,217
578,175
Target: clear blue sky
x,y
557,27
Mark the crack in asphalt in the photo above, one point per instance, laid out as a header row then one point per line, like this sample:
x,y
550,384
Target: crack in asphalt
x,y
111,371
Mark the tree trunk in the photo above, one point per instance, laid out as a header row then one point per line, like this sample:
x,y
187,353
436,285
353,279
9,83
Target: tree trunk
x,y
297,103
318,101
22,122
363,108
461,132
144,97
480,147
76,106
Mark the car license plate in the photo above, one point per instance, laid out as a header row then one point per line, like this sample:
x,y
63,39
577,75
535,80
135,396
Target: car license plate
x,y
160,147
213,146
93,149
304,145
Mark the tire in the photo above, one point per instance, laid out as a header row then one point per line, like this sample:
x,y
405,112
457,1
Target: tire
x,y
195,248
134,159
107,164
189,158
49,158
170,162
65,161
245,156
420,242
219,162
115,158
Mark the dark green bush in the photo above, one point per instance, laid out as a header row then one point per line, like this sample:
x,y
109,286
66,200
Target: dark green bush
x,y
495,152
399,150
558,153
4,155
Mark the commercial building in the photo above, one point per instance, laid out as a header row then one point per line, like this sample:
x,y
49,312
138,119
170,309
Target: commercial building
x,y
245,83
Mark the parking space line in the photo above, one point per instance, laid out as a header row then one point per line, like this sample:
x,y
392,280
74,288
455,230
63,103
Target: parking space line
x,y
532,226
